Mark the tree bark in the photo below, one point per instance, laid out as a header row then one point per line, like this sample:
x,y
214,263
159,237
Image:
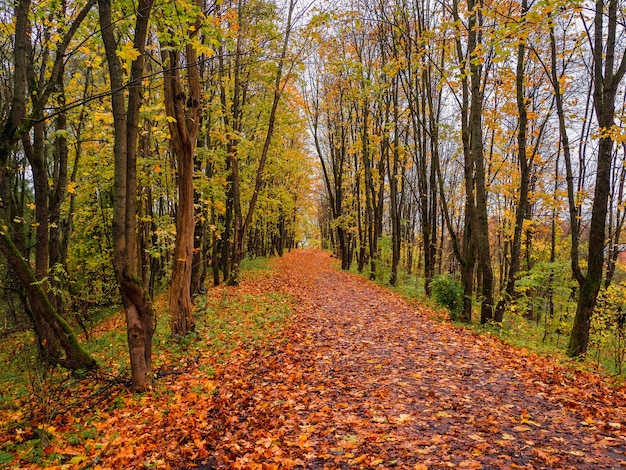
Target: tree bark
x,y
606,82
137,304
522,203
184,127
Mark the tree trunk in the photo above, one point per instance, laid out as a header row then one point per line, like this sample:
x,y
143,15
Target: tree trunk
x,y
478,160
606,82
184,127
395,207
135,299
48,323
522,203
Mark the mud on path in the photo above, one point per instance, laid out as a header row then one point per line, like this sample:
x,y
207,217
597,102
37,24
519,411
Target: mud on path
x,y
364,380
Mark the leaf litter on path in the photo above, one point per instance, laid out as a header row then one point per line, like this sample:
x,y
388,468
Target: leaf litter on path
x,y
360,380
364,380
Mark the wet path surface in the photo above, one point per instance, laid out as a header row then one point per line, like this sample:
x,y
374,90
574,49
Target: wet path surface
x,y
364,380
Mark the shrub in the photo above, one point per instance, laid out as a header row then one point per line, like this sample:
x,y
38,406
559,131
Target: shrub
x,y
448,293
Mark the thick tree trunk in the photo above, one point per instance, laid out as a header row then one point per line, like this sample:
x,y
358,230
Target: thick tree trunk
x,y
589,289
181,308
184,127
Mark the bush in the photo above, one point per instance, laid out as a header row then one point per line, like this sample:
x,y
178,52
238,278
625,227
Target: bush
x,y
448,293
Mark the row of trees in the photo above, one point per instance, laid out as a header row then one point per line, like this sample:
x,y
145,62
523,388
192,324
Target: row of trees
x,y
487,132
143,145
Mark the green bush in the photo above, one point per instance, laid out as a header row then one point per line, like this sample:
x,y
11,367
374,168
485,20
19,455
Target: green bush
x,y
448,293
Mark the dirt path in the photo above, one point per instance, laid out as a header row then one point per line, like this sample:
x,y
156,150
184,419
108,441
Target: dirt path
x,y
365,381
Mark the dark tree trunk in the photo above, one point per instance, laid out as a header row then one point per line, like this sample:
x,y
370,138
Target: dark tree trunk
x,y
522,203
606,82
137,304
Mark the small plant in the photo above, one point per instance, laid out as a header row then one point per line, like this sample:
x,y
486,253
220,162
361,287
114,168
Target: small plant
x,y
448,293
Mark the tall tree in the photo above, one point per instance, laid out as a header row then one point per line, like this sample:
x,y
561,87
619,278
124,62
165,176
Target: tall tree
x,y
608,72
242,225
183,107
524,167
140,322
27,125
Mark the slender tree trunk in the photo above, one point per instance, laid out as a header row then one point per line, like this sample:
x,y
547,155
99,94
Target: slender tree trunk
x,y
242,225
135,298
467,256
477,155
522,202
620,218
606,82
393,169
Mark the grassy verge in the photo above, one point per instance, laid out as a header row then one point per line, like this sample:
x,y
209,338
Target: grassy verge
x,y
545,336
49,417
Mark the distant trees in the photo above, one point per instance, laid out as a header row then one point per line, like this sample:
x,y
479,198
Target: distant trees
x,y
470,121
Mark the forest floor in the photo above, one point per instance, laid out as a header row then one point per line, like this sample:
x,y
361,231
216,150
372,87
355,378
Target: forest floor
x,y
368,381
359,379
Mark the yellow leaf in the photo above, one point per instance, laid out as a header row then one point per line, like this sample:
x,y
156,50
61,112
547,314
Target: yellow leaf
x,y
127,53
71,187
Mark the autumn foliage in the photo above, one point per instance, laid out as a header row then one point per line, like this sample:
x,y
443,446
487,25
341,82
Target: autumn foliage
x,y
357,378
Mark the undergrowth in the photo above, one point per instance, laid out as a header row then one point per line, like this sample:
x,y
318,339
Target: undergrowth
x,y
33,398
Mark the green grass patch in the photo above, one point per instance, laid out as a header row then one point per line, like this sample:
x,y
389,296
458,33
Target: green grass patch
x,y
255,267
230,321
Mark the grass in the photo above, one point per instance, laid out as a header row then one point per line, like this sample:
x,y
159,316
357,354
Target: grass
x,y
33,396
